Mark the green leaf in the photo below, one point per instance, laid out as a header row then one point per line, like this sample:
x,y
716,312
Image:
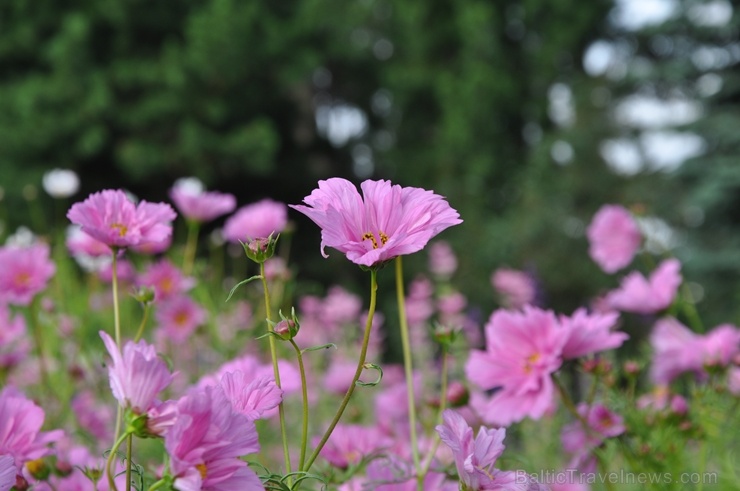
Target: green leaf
x,y
317,348
255,277
371,366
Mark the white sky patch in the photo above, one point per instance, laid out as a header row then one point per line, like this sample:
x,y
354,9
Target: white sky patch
x,y
715,13
640,111
622,155
667,150
340,123
636,14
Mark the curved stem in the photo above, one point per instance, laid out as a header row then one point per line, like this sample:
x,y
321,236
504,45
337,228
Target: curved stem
x,y
109,462
407,365
358,371
190,247
157,485
275,370
304,391
140,331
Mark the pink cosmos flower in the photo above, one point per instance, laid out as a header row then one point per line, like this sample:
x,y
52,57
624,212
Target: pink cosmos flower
x,y
24,272
590,333
442,259
523,350
93,417
179,317
252,397
112,218
256,221
20,422
349,444
475,457
166,279
137,376
580,442
14,345
392,473
8,472
641,296
195,204
516,288
720,346
733,381
614,238
253,368
81,243
206,442
385,222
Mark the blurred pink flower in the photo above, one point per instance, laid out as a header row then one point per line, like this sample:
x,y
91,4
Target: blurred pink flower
x,y
475,457
24,272
79,242
720,346
256,221
349,444
733,381
385,222
206,442
340,307
442,259
125,271
20,425
516,288
92,416
179,317
614,238
8,472
137,376
112,218
14,344
523,350
580,442
196,204
166,279
639,295
251,396
253,368
590,333
151,248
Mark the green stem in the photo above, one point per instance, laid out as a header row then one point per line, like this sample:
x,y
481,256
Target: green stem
x,y
140,331
408,369
442,406
276,371
689,308
38,337
129,444
109,462
304,391
358,371
116,311
190,247
157,485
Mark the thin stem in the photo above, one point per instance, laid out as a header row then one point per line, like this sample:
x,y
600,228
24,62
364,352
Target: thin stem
x,y
129,444
304,390
116,311
442,406
140,331
38,338
689,308
157,485
190,247
109,462
568,403
358,371
407,365
276,371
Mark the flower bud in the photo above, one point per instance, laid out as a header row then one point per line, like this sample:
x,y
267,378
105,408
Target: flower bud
x,y
457,394
143,294
287,327
260,249
445,335
63,468
20,484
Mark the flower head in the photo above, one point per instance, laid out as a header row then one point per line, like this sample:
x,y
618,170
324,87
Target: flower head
x,y
137,376
385,222
590,333
614,238
24,272
349,444
179,317
112,218
166,279
648,296
256,221
195,204
516,288
251,396
14,344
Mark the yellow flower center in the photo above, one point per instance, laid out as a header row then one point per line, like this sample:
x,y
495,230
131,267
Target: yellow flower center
x,y
122,229
35,466
371,237
530,361
181,318
202,469
23,278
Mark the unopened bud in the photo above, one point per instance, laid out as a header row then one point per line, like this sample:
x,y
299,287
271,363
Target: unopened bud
x,y
445,335
20,484
63,468
287,327
631,368
457,394
143,294
260,249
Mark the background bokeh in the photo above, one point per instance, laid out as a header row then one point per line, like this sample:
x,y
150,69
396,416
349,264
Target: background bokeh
x,y
527,115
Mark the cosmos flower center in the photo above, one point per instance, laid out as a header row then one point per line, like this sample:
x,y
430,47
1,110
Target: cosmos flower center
x,y
35,466
181,318
122,229
166,285
23,278
202,469
372,238
606,421
530,361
